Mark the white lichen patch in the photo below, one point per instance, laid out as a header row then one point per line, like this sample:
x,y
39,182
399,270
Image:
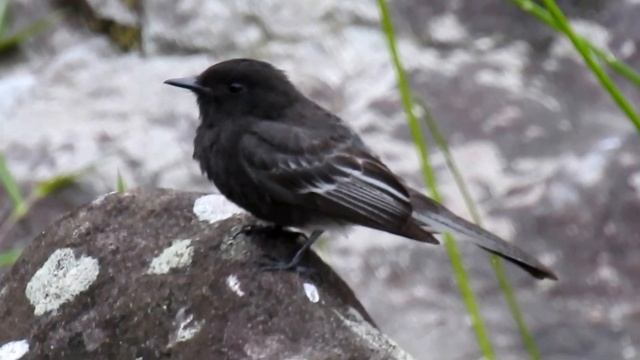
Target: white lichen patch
x,y
102,197
234,284
271,347
372,336
634,181
14,350
187,328
312,292
178,255
60,279
214,207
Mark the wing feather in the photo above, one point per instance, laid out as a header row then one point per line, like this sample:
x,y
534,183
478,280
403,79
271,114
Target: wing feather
x,y
333,174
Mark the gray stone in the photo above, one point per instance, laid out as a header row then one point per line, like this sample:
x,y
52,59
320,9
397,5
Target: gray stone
x,y
114,10
141,275
223,26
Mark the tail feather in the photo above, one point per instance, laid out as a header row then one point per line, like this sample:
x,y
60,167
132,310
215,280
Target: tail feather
x,y
414,230
437,218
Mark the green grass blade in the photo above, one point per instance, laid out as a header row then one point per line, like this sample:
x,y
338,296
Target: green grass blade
x,y
507,292
120,185
442,144
4,7
458,269
9,257
618,66
11,187
496,263
600,74
54,184
554,17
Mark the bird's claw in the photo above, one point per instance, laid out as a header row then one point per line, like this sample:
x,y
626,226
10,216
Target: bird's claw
x,y
269,264
251,229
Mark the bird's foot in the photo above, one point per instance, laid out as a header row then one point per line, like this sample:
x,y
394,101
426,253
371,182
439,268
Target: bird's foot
x,y
270,264
253,229
294,263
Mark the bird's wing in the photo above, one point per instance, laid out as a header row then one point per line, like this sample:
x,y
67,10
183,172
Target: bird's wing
x,y
330,172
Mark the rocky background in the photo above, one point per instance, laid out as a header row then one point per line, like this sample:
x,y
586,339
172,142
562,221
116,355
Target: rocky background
x,y
552,163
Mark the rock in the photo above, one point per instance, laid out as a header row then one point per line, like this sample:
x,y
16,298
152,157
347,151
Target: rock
x,y
225,26
158,274
114,10
117,19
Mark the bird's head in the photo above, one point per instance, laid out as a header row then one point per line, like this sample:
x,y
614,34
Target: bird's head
x,y
240,87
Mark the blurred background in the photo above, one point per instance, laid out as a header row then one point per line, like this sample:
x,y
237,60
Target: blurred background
x,y
550,160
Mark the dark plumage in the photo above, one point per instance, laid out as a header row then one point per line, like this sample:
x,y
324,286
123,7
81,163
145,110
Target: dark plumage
x,y
280,156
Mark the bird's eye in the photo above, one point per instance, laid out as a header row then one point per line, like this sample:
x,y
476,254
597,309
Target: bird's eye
x,y
236,87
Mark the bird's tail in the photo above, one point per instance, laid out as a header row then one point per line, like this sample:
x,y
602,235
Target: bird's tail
x,y
436,218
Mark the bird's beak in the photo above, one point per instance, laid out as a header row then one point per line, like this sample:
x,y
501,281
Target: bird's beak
x,y
190,83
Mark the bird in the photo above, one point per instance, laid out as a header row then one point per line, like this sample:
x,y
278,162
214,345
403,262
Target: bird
x,y
285,159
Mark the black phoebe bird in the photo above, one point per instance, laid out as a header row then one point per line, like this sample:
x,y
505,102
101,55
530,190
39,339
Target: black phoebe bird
x,y
288,161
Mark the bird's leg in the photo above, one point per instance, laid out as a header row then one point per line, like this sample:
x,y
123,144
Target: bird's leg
x,y
250,229
295,261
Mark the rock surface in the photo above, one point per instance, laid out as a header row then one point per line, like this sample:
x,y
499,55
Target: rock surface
x,y
158,274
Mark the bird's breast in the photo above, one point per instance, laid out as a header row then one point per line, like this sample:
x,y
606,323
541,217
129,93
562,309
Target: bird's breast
x,y
217,152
